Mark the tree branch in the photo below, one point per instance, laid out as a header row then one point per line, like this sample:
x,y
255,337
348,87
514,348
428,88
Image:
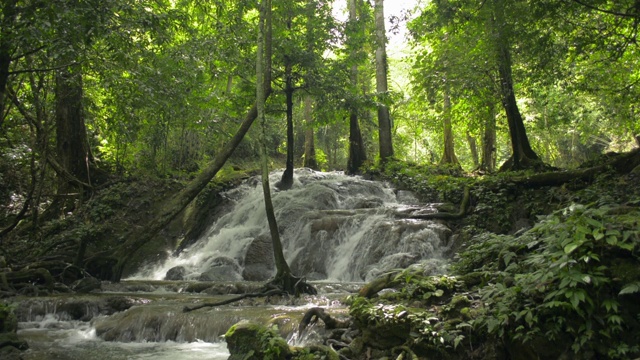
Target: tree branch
x,y
610,12
43,70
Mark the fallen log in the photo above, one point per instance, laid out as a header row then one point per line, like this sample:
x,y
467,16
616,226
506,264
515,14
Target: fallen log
x,y
271,292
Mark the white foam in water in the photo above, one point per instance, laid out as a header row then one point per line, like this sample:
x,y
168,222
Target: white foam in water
x,y
77,340
367,241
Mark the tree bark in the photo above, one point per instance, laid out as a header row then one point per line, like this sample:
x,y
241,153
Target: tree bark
x,y
287,176
382,88
357,152
523,155
310,160
72,144
449,154
488,163
8,19
473,148
282,268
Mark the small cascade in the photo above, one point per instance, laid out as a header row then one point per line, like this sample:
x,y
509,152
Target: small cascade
x,y
333,227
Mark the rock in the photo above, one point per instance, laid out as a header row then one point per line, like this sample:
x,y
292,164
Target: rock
x,y
86,285
8,320
10,344
407,197
222,269
176,273
9,352
258,261
250,341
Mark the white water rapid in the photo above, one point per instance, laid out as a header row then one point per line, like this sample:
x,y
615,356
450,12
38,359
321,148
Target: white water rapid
x,y
333,227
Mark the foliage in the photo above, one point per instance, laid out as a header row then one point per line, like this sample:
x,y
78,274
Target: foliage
x,y
423,328
566,280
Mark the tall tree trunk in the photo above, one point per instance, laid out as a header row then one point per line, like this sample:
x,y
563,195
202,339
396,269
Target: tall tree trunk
x,y
473,148
357,152
7,23
287,176
282,268
382,88
449,154
488,163
309,141
522,154
72,144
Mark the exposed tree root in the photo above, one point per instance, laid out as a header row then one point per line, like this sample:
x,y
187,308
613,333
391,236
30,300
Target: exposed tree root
x,y
312,316
294,286
26,276
272,292
464,206
621,163
404,349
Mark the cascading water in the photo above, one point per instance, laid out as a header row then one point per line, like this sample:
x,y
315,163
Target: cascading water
x,y
333,227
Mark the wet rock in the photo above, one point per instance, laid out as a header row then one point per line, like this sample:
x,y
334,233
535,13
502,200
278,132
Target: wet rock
x,y
221,289
176,273
118,303
222,269
86,285
246,341
258,261
10,344
407,197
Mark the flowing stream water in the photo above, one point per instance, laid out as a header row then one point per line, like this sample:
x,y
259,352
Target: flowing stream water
x,y
337,231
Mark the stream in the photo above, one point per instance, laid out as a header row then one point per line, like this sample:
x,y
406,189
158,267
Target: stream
x,y
337,231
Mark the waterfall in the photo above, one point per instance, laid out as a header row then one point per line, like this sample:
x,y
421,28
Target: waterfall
x,y
333,227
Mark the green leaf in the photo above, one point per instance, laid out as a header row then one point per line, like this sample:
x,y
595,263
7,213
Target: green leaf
x,y
570,248
632,288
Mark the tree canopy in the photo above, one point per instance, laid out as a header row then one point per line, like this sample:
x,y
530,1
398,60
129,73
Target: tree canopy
x,y
160,85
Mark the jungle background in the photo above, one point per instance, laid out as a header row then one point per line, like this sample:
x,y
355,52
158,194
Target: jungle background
x,y
109,107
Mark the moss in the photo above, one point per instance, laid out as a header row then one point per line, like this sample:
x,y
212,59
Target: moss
x,y
250,341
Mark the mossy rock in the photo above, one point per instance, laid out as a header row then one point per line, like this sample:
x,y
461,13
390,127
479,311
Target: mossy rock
x,y
8,320
10,339
250,341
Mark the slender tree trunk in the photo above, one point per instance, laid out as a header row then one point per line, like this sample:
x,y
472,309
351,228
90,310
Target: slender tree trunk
x,y
357,152
309,142
449,154
382,88
287,176
489,140
7,23
282,268
522,154
473,148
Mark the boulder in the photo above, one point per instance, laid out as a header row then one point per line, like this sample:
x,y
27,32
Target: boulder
x,y
176,273
250,341
222,269
258,261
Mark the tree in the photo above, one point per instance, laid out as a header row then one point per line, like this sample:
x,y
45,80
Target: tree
x,y
282,268
382,89
357,152
522,155
448,154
